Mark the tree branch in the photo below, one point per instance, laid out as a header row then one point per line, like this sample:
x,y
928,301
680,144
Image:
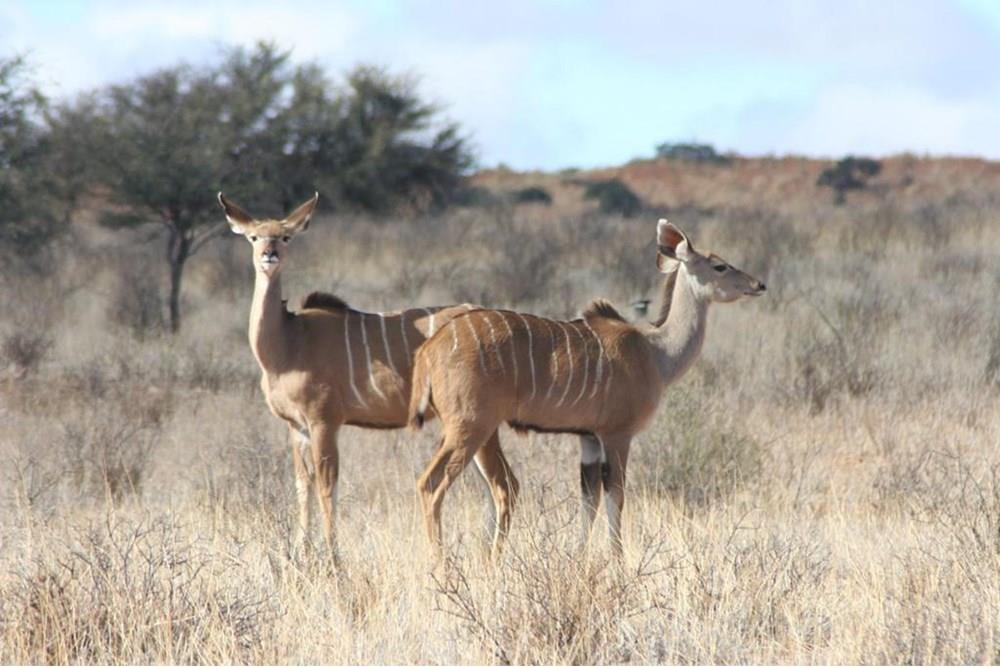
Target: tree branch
x,y
214,232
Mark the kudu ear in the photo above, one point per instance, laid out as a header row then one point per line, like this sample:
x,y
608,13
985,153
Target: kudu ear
x,y
239,220
672,246
298,220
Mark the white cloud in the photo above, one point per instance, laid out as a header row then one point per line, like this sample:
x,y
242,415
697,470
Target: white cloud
x,y
556,84
892,119
312,29
478,85
138,21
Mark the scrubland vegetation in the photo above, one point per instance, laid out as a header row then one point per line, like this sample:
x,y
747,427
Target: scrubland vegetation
x,y
823,486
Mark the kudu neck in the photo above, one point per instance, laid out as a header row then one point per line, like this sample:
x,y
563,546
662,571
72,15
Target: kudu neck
x,y
268,323
679,331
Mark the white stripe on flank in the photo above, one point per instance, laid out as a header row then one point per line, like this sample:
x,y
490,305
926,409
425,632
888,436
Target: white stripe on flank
x,y
586,368
368,358
454,335
385,341
350,359
406,343
569,355
513,349
479,343
555,360
493,339
430,326
600,359
531,355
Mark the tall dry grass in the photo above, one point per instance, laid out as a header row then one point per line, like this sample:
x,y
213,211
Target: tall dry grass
x,y
824,485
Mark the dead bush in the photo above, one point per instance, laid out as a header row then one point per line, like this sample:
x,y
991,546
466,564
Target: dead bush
x,y
107,446
519,268
549,604
137,303
128,591
958,496
207,367
692,454
748,594
991,371
24,351
827,358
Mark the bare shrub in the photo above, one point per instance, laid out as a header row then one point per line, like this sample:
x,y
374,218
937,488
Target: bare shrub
x,y
871,234
520,270
761,242
958,496
128,591
523,270
107,446
30,480
137,303
936,613
991,371
252,475
826,358
410,279
746,592
626,259
211,369
24,351
762,236
549,605
227,268
692,454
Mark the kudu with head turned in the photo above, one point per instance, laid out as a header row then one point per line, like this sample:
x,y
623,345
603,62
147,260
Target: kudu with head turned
x,y
599,376
328,365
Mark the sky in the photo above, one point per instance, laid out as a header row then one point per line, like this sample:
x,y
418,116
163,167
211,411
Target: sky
x,y
553,84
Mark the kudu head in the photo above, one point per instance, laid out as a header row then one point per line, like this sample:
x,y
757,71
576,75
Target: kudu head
x,y
269,238
711,277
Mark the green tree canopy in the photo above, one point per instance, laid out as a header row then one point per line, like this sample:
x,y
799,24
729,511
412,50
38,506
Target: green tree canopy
x,y
270,133
25,219
614,197
849,173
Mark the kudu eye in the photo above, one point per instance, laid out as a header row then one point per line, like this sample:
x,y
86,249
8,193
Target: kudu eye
x,y
720,268
286,239
253,238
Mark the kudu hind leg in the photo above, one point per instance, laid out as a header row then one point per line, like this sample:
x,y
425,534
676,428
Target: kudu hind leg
x,y
326,459
504,487
592,471
616,450
302,463
428,483
456,451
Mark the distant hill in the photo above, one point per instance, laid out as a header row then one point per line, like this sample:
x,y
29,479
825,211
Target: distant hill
x,y
788,183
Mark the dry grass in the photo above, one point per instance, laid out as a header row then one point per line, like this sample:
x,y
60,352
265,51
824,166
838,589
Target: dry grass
x,y
824,486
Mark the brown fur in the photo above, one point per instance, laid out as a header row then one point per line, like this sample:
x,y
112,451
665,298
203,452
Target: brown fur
x,y
599,377
602,308
329,365
325,301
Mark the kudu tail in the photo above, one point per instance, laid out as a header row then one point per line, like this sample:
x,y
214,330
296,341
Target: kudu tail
x,y
420,392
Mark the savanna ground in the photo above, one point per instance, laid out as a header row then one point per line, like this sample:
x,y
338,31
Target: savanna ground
x,y
823,486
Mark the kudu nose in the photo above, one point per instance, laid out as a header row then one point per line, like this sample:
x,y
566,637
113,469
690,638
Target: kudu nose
x,y
761,286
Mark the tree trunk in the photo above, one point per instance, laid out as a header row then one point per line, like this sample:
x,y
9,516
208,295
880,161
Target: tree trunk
x,y
178,251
